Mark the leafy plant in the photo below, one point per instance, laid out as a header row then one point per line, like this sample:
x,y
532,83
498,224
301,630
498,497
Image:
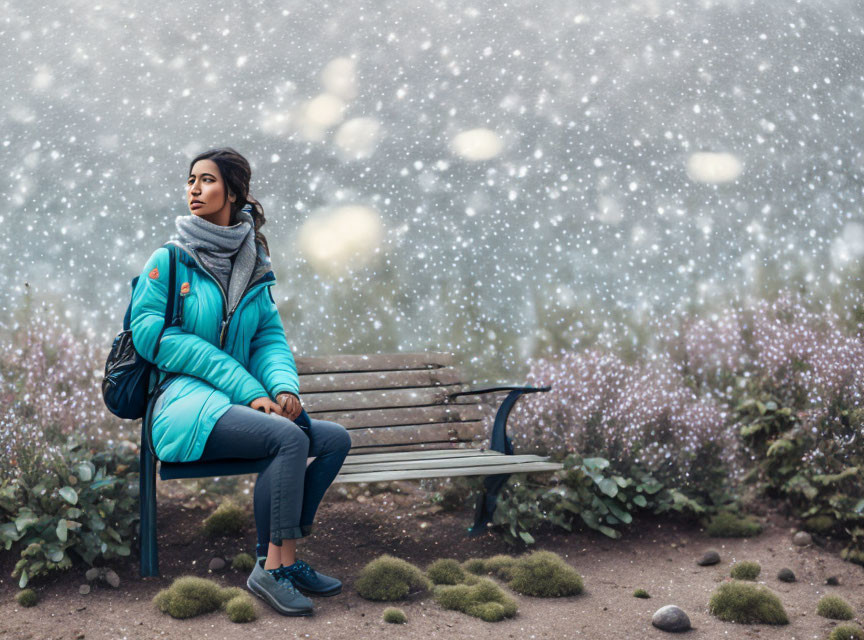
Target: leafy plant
x,y
86,505
583,491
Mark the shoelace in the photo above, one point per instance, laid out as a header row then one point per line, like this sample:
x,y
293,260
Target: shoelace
x,y
302,568
283,578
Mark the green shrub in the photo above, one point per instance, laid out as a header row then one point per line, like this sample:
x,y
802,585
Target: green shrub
x,y
745,570
835,607
726,524
641,593
243,562
846,632
445,571
27,598
228,520
85,505
484,600
546,575
747,604
240,608
229,593
394,616
583,492
389,578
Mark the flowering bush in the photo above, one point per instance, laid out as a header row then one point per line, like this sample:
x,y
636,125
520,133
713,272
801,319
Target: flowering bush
x,y
50,388
637,416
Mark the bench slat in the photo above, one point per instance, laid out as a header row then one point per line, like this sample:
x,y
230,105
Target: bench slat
x,y
436,432
424,446
373,362
382,398
442,463
404,416
416,474
359,381
363,458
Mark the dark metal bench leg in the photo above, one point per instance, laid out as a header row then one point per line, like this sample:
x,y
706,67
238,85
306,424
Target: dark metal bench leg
x,y
486,502
149,548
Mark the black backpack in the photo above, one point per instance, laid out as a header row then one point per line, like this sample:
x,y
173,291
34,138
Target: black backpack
x,y
125,387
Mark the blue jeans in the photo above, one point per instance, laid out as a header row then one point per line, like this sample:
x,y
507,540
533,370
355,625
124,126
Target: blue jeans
x,y
287,492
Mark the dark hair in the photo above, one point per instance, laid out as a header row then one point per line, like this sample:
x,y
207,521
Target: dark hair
x,y
236,174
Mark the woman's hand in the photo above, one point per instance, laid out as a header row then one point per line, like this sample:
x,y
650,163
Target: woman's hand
x,y
290,405
266,405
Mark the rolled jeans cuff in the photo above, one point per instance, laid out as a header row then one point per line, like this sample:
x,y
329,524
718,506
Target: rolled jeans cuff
x,y
289,533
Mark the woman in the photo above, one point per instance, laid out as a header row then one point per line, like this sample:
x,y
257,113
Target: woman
x,y
227,383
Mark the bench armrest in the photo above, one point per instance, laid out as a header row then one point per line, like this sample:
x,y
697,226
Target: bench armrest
x,y
477,392
499,441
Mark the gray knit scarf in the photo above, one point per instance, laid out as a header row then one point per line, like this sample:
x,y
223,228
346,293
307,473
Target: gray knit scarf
x,y
229,252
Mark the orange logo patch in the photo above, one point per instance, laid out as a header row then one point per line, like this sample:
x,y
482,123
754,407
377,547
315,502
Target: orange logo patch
x,y
155,273
184,288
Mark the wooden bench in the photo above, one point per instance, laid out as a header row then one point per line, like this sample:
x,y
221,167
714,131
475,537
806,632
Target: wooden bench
x,y
410,416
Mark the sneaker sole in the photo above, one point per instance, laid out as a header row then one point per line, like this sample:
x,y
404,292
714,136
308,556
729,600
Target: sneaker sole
x,y
325,594
273,603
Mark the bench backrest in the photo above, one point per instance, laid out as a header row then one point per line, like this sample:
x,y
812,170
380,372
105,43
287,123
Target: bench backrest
x,y
395,402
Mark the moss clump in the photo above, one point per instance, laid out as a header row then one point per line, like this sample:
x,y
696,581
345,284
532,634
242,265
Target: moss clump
x,y
846,632
747,604
477,566
835,607
500,565
243,562
190,596
546,575
820,524
227,520
389,578
728,525
445,571
394,616
484,600
240,608
27,598
641,593
745,570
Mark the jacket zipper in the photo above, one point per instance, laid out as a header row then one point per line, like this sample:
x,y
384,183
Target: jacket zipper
x,y
223,330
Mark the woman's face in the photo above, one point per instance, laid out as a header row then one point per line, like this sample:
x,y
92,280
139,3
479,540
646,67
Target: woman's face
x,y
204,185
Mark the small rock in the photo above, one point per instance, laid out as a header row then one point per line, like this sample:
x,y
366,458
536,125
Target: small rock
x,y
92,573
217,564
833,581
112,578
786,575
670,618
708,558
802,539
84,589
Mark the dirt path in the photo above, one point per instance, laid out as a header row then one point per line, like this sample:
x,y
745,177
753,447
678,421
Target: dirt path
x,y
654,554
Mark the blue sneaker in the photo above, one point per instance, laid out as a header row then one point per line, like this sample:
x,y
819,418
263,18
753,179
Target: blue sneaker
x,y
310,582
278,590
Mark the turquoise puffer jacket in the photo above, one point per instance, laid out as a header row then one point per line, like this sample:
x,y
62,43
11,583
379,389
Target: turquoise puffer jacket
x,y
217,357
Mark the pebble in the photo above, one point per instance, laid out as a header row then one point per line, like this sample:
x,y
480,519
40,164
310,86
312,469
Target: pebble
x,y
671,618
833,581
709,557
217,564
112,578
802,539
92,573
84,589
786,575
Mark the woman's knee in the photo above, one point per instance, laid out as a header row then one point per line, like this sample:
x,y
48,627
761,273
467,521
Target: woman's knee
x,y
292,437
340,439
